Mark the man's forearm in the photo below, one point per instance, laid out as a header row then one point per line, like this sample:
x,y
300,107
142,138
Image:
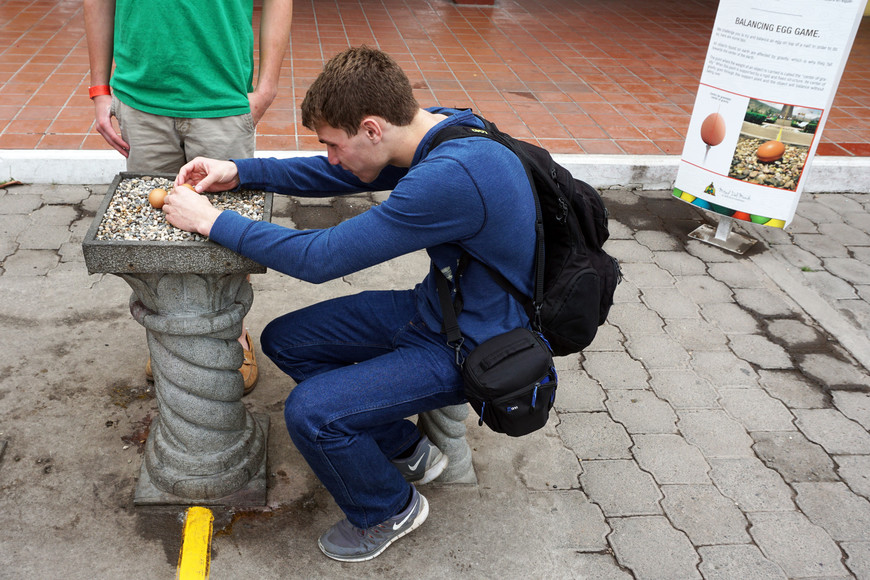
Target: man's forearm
x,y
100,31
275,22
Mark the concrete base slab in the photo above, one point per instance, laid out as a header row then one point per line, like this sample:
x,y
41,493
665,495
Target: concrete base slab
x,y
252,494
733,242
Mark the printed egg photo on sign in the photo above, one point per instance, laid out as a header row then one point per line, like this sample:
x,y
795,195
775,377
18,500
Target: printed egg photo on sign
x,y
713,129
773,144
712,132
770,151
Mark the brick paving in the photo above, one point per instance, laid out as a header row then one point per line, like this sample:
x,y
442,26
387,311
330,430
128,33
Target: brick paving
x,y
616,77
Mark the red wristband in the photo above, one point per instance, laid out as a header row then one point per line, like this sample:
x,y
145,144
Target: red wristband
x,y
99,90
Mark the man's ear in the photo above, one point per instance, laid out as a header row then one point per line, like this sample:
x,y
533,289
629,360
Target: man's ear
x,y
373,129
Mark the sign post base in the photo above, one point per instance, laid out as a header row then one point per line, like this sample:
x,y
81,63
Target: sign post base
x,y
723,237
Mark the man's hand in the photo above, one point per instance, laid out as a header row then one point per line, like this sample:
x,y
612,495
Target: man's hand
x,y
190,211
209,175
260,100
104,126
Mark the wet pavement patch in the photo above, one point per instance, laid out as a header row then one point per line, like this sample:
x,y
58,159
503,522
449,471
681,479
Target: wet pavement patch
x,y
122,394
309,217
140,432
664,214
162,524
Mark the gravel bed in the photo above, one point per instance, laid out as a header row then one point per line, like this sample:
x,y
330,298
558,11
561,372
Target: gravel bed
x,y
130,216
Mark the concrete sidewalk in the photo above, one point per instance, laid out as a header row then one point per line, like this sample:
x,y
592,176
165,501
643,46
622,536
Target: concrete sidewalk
x,y
716,428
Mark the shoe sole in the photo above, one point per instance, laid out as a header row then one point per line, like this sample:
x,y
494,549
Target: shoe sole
x,y
434,471
418,521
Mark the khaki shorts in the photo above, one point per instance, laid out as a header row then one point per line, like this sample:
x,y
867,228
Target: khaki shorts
x,y
161,144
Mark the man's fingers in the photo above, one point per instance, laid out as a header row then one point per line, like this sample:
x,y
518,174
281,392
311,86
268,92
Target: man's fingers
x,y
203,184
207,175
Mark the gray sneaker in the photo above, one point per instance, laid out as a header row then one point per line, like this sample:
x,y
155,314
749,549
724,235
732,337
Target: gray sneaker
x,y
425,464
347,543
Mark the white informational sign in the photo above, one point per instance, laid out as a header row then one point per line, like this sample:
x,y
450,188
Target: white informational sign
x,y
770,76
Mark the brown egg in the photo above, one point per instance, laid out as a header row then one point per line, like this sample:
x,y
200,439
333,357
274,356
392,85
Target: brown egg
x,y
156,197
187,185
770,151
713,129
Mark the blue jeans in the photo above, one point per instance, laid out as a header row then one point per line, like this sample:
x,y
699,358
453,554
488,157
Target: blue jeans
x,y
363,364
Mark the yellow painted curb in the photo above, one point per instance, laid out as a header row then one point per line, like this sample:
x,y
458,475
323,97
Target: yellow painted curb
x,y
195,557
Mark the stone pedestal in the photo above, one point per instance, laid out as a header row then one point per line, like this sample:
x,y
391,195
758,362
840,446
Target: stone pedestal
x,y
205,447
446,428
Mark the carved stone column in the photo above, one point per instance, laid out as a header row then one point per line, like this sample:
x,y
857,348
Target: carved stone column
x,y
446,428
204,444
204,447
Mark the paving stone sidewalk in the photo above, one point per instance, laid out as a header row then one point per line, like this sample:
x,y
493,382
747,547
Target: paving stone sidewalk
x,y
715,429
738,420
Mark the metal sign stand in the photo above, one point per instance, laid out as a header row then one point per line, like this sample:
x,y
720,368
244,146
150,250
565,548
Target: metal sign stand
x,y
723,237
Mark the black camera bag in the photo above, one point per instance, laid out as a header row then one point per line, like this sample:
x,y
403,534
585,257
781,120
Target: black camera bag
x,y
510,382
510,379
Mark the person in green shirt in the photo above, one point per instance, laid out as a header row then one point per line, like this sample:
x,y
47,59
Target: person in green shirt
x,y
183,83
200,70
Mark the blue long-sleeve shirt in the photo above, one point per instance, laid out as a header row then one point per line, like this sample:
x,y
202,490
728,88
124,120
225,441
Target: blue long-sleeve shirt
x,y
466,194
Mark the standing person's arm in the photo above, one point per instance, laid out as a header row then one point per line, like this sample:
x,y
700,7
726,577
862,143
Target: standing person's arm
x,y
275,23
100,31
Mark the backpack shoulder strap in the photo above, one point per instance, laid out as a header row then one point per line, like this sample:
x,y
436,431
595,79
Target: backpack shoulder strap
x,y
490,131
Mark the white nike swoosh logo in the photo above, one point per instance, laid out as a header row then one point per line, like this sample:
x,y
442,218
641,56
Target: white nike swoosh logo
x,y
414,466
398,525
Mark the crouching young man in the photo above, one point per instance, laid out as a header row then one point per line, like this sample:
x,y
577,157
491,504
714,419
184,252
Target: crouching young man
x,y
365,363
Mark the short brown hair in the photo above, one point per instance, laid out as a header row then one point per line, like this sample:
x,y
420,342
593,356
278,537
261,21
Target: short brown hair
x,y
357,83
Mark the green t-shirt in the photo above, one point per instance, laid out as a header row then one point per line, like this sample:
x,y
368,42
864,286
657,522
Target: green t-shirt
x,y
184,58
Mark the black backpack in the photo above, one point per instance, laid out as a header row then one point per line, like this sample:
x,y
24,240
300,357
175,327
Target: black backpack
x,y
574,288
